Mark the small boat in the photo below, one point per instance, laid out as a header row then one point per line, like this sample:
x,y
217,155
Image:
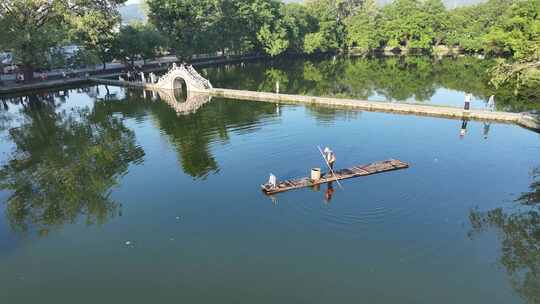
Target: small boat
x,y
356,171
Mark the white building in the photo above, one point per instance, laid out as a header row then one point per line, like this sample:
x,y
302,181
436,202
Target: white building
x,y
6,58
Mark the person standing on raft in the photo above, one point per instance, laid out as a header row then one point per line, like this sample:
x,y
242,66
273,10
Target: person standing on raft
x,y
330,157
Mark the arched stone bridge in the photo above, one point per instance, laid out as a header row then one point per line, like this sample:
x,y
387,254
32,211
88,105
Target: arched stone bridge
x,y
194,81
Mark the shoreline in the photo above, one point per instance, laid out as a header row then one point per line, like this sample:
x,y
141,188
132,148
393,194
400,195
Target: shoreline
x,y
158,66
115,72
524,120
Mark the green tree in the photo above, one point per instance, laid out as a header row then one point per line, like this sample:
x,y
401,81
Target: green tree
x,y
153,43
298,23
330,32
95,32
348,8
412,24
517,33
127,45
361,27
228,31
467,25
31,27
189,24
437,20
138,41
207,26
274,41
258,14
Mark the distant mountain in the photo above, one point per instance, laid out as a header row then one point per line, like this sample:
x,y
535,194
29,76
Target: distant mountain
x,y
131,13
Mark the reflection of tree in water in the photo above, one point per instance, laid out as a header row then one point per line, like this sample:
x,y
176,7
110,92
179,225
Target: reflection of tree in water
x,y
395,78
6,119
192,134
64,165
328,115
519,231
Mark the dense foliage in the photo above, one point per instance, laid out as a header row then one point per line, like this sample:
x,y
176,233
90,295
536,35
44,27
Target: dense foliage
x,y
137,41
503,28
31,28
496,27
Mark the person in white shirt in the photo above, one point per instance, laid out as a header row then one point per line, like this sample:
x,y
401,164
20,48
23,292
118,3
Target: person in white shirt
x,y
491,103
330,157
468,98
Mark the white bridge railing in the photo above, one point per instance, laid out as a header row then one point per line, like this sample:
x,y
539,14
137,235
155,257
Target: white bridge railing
x,y
198,77
194,81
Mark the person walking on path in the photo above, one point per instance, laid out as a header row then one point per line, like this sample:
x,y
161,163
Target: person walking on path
x,y
491,103
468,98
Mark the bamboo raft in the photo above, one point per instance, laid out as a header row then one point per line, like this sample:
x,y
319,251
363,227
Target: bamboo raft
x,y
356,171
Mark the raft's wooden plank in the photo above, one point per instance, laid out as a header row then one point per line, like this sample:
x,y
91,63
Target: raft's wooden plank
x,y
356,171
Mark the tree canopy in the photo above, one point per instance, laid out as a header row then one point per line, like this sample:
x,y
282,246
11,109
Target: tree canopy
x,y
32,27
497,28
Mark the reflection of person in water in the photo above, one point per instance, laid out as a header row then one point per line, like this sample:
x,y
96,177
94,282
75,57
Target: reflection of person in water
x,y
463,130
487,125
329,192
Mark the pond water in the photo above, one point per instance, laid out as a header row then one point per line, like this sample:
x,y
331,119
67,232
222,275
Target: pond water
x,y
112,195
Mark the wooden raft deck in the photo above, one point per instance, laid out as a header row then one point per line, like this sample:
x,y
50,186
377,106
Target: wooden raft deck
x,y
361,170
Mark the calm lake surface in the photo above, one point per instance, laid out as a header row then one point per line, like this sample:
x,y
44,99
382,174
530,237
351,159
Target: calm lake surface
x,y
110,195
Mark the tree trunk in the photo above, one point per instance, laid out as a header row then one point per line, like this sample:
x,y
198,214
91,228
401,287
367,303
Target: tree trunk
x,y
104,65
28,72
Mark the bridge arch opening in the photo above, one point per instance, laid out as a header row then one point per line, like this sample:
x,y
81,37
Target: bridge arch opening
x,y
180,89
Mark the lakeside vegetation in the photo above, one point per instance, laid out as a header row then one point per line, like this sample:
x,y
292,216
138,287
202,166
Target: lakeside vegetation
x,y
406,78
497,28
506,29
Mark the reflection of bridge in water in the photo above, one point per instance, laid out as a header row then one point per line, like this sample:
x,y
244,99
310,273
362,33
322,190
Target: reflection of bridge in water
x,y
193,102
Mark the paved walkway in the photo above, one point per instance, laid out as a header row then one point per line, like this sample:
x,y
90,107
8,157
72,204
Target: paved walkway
x,y
523,119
